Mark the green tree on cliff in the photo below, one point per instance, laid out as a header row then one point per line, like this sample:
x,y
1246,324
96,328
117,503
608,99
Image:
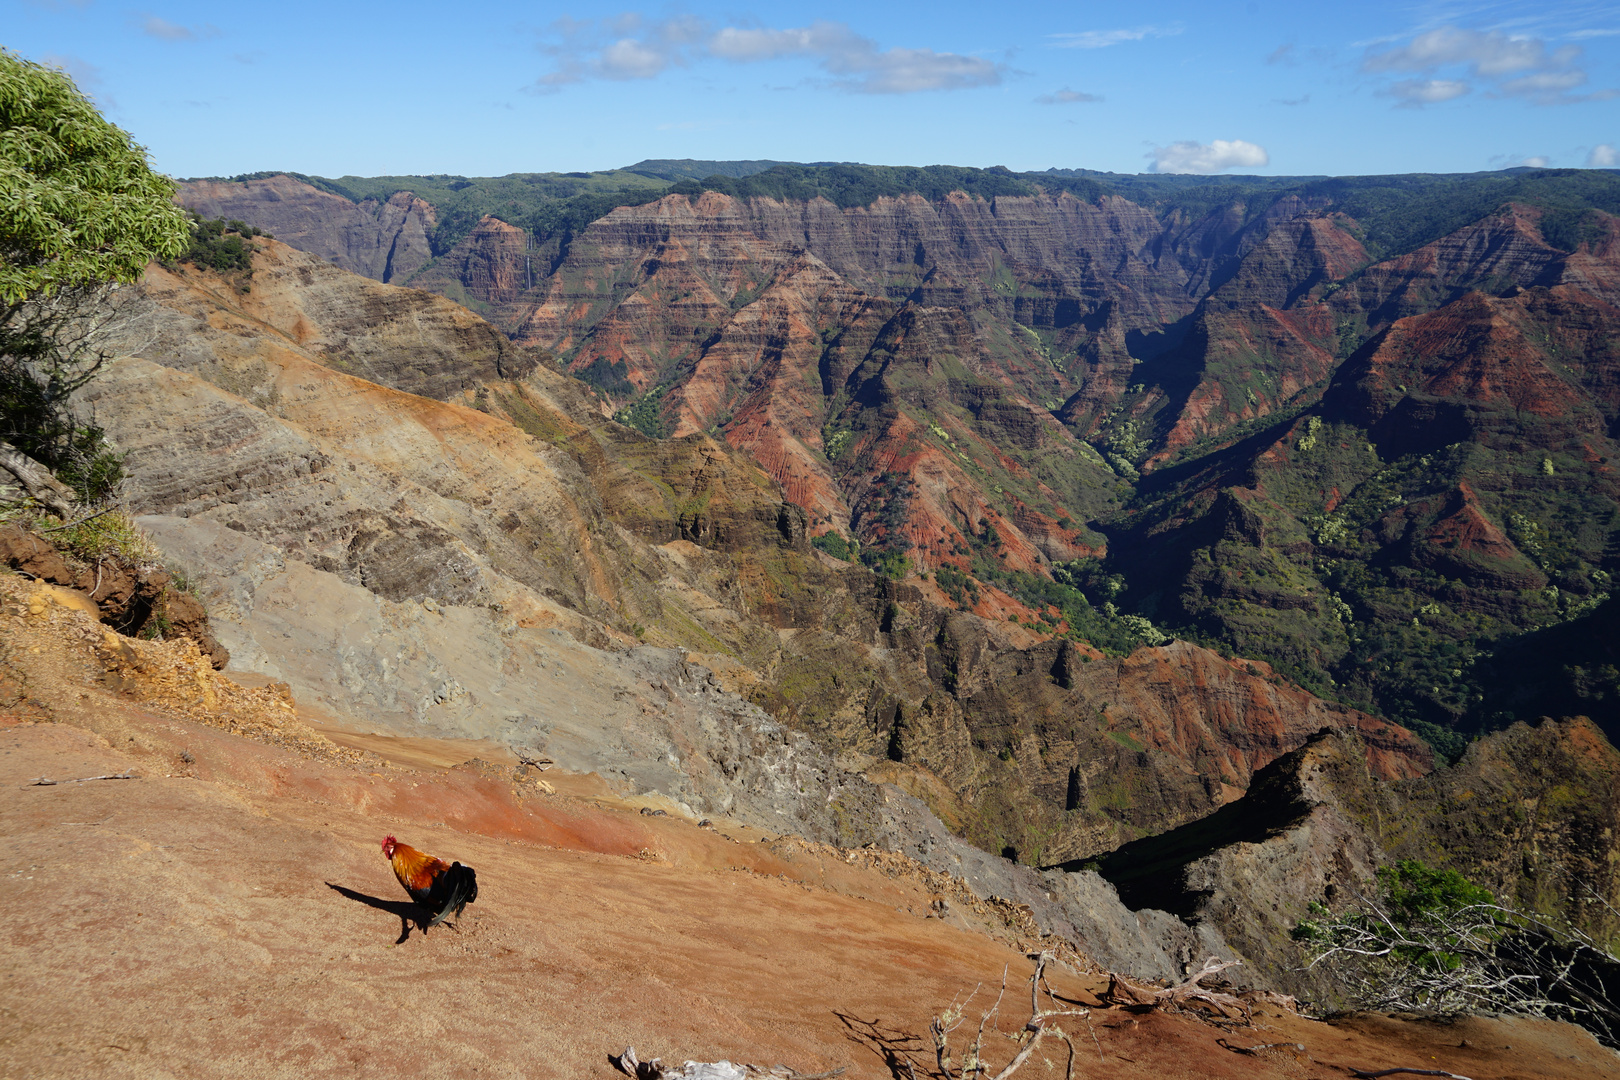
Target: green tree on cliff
x,y
81,211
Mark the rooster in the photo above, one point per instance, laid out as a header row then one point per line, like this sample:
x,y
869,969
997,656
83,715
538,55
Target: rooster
x,y
442,890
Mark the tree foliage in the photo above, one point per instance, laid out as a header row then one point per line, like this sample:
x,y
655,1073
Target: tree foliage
x,y
79,203
221,245
80,212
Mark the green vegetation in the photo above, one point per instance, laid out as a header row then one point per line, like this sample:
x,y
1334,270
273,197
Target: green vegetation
x,y
80,211
861,185
79,204
886,562
836,546
1401,213
1432,941
644,414
110,534
225,246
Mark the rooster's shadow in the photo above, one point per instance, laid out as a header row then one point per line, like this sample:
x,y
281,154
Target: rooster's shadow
x,y
409,911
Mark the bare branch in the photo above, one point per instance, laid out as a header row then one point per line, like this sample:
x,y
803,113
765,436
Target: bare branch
x,y
1254,1050
45,781
37,480
81,521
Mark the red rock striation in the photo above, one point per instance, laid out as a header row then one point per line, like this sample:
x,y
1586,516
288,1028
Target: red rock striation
x,y
490,271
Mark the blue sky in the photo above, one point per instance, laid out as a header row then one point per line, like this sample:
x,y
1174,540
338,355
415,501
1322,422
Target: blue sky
x,y
486,89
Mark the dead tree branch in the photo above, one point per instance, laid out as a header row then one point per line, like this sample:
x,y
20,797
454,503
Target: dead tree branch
x,y
1039,1025
37,481
655,1069
1121,991
45,781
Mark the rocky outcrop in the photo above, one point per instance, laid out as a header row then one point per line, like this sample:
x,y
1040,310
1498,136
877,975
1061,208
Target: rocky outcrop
x,y
450,539
385,241
493,271
136,599
1520,815
407,340
1305,832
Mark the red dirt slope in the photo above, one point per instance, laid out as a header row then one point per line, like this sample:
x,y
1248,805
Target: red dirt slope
x,y
227,913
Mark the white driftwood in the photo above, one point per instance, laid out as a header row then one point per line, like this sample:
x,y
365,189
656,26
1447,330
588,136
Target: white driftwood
x,y
655,1069
37,480
1122,991
45,781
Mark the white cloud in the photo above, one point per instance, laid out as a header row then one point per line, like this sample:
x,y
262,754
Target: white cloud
x,y
1414,93
906,71
1218,156
1487,55
823,38
1066,96
631,59
1517,66
857,62
1102,39
626,47
620,47
163,29
1603,156
1537,162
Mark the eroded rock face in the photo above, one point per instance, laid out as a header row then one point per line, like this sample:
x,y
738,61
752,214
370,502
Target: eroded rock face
x,y
1469,438
136,600
1520,815
477,567
385,241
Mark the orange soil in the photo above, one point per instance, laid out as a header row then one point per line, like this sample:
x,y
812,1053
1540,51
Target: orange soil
x,y
228,913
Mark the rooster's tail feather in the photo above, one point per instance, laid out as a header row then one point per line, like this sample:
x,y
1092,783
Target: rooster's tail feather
x,y
454,890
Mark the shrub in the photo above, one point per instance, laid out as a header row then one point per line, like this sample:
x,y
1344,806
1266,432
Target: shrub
x,y
834,545
1432,941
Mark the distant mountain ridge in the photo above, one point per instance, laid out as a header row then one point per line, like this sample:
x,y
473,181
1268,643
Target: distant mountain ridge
x,y
1359,427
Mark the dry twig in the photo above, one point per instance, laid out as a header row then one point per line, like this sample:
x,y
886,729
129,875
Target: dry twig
x,y
1417,1072
1254,1050
1039,1025
45,781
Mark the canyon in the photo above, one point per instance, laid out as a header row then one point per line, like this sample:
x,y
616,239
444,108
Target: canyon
x,y
1153,570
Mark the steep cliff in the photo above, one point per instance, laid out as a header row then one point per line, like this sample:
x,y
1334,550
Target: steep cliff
x,y
1452,487
386,240
382,549
1210,411
1522,814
